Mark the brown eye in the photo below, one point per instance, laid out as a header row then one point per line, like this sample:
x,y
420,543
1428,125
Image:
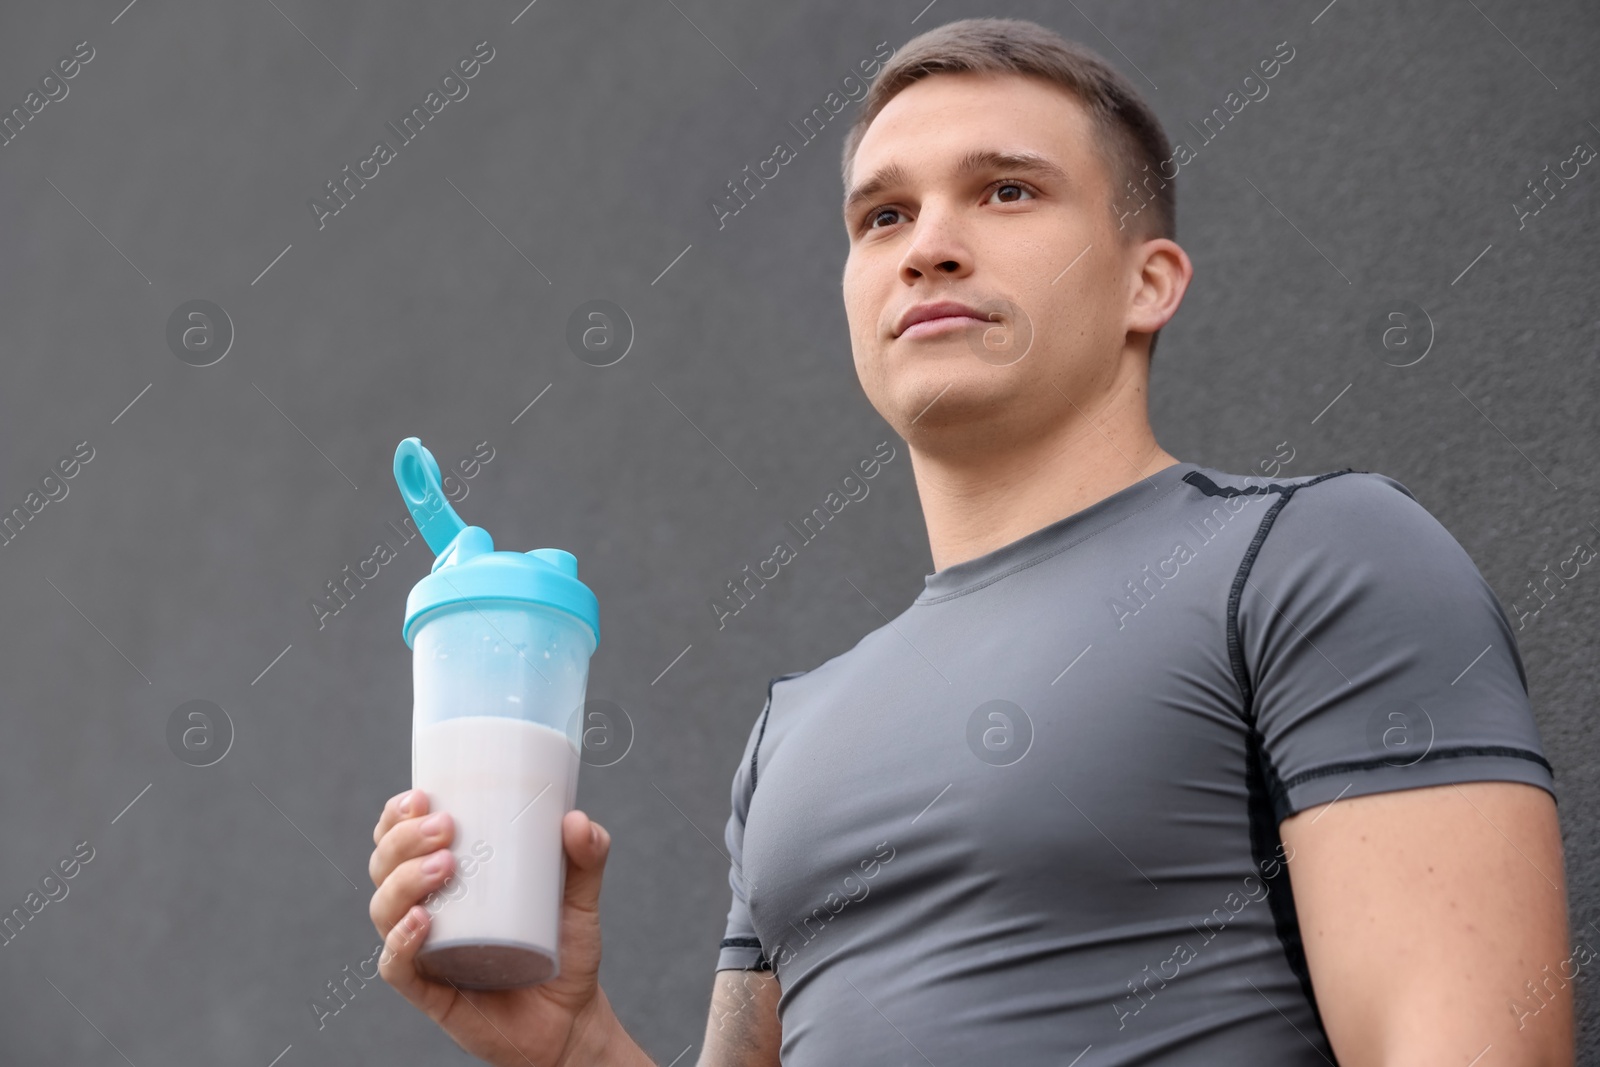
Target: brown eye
x,y
880,213
1019,187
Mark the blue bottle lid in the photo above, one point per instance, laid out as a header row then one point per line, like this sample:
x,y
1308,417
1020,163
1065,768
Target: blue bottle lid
x,y
467,568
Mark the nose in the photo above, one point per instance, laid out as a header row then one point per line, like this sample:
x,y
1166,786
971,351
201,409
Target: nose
x,y
936,246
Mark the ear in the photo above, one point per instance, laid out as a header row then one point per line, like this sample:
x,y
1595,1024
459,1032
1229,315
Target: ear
x,y
1162,277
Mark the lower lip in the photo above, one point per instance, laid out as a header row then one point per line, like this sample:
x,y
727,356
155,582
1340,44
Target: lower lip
x,y
943,324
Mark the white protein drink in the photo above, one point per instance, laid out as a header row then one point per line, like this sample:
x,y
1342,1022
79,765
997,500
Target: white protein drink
x,y
507,783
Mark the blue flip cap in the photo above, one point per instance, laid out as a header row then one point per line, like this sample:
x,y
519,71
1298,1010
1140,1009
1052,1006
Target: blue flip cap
x,y
467,569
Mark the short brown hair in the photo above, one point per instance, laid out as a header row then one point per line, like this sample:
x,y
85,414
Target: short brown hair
x,y
1132,141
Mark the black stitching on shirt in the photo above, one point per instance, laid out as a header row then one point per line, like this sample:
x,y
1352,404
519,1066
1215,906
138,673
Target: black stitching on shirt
x,y
1264,790
765,711
1457,752
761,963
1241,675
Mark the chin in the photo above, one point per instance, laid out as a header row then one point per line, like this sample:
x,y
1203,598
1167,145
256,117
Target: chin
x,y
940,397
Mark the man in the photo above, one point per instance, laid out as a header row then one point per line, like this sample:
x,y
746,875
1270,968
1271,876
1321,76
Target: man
x,y
1164,765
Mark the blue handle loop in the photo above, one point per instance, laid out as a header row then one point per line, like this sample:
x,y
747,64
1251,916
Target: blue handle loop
x,y
416,472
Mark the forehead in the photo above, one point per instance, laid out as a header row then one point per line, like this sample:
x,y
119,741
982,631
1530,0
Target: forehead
x,y
929,125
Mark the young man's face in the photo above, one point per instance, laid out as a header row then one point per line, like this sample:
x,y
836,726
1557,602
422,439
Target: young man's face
x,y
1000,235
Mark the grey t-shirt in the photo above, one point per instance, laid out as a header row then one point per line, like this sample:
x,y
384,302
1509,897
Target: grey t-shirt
x,y
1034,818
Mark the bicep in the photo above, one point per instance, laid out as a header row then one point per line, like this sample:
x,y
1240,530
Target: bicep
x,y
742,1029
1430,916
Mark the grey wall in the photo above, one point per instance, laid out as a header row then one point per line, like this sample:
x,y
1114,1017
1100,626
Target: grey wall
x,y
1385,161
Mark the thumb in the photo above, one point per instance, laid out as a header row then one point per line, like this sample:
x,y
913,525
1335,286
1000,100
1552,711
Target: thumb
x,y
587,844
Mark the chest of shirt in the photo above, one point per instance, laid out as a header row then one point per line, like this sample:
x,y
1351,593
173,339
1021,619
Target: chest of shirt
x,y
1026,752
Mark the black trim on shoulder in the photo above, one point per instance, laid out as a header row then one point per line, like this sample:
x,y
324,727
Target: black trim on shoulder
x,y
1211,488
765,711
1456,752
1241,675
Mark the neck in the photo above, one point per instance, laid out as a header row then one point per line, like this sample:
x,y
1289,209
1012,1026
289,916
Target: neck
x,y
977,500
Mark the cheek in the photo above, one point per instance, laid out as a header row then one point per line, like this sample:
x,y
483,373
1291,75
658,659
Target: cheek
x,y
1089,292
860,304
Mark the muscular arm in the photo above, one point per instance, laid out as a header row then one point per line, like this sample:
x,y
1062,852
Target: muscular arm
x,y
742,1029
1435,925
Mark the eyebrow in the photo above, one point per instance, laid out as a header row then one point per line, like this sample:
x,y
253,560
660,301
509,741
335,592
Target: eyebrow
x,y
975,160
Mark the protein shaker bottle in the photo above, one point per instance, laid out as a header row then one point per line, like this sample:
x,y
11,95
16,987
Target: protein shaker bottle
x,y
501,644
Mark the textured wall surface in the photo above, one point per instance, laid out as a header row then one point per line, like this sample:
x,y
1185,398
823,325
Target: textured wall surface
x,y
1383,174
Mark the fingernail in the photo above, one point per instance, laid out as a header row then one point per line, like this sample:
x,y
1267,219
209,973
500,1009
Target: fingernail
x,y
594,834
408,803
433,824
435,863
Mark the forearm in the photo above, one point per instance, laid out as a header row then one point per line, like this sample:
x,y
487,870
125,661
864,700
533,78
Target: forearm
x,y
601,1041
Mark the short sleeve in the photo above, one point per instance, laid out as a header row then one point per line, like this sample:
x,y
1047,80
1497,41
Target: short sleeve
x,y
1375,655
741,948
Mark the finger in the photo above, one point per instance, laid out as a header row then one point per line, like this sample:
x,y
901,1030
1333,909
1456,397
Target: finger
x,y
587,844
400,806
397,963
414,881
410,838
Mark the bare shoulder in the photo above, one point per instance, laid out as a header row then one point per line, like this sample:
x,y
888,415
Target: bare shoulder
x,y
742,1029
